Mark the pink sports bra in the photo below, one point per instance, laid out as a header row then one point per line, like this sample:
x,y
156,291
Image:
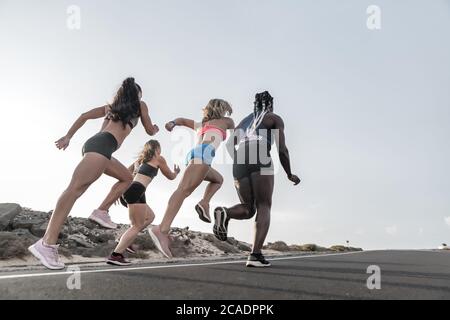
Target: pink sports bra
x,y
208,127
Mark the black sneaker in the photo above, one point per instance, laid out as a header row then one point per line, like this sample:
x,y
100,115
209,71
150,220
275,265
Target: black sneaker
x,y
118,260
221,220
257,260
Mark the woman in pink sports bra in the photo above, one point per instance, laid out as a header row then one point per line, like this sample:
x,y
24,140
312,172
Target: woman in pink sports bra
x,y
210,135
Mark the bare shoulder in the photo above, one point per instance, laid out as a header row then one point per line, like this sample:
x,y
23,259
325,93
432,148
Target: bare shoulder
x,y
230,122
274,120
274,116
161,160
143,105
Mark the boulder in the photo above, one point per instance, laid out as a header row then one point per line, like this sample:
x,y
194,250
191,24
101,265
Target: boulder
x,y
27,221
307,247
208,237
81,240
15,244
144,242
38,230
244,247
340,248
225,247
8,211
26,235
181,244
101,237
103,250
232,241
278,246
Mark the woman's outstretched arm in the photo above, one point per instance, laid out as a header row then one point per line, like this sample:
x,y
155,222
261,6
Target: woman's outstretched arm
x,y
183,122
283,151
165,170
149,127
95,113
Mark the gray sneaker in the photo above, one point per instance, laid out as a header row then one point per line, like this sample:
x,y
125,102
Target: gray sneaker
x,y
257,260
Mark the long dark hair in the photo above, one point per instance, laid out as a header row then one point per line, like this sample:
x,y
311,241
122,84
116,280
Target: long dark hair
x,y
126,104
148,152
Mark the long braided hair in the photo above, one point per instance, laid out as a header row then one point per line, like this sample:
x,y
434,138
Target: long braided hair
x,y
126,104
263,105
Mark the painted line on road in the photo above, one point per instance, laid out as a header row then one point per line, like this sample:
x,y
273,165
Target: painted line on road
x,y
68,273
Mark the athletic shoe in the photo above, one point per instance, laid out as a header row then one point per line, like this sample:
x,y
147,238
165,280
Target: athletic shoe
x,y
221,220
102,218
202,214
160,240
118,260
47,254
257,260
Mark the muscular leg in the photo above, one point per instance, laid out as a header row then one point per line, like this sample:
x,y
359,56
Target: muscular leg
x,y
263,190
116,170
88,170
192,178
215,180
141,216
246,209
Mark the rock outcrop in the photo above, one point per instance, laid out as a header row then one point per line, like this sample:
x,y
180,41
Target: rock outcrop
x,y
21,227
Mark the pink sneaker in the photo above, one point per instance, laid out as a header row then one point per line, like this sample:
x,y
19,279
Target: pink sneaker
x,y
102,218
47,254
161,240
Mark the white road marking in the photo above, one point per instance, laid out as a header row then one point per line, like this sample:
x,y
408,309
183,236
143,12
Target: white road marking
x,y
66,273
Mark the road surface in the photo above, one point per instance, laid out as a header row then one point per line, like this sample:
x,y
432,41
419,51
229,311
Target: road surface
x,y
404,275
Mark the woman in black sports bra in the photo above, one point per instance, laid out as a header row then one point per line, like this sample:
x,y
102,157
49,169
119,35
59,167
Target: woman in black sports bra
x,y
121,115
145,169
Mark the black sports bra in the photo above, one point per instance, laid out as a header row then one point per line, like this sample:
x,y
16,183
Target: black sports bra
x,y
148,170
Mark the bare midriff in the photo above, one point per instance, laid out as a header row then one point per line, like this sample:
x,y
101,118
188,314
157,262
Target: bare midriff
x,y
214,135
117,130
142,179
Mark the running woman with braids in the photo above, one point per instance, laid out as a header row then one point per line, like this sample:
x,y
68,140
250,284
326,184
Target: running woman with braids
x,y
211,133
120,118
145,169
253,173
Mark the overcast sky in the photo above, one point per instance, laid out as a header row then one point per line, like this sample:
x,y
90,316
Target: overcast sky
x,y
367,112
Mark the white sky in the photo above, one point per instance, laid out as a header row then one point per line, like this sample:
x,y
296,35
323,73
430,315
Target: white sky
x,y
367,112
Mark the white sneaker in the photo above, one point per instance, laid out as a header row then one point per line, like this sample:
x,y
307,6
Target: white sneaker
x,y
47,254
102,218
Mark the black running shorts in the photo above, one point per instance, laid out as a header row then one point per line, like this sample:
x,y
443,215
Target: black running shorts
x,y
134,195
241,171
103,143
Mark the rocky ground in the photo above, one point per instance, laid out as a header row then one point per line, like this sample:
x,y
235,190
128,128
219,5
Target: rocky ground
x,y
82,240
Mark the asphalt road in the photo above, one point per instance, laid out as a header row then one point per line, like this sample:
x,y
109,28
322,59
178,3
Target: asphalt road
x,y
404,275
